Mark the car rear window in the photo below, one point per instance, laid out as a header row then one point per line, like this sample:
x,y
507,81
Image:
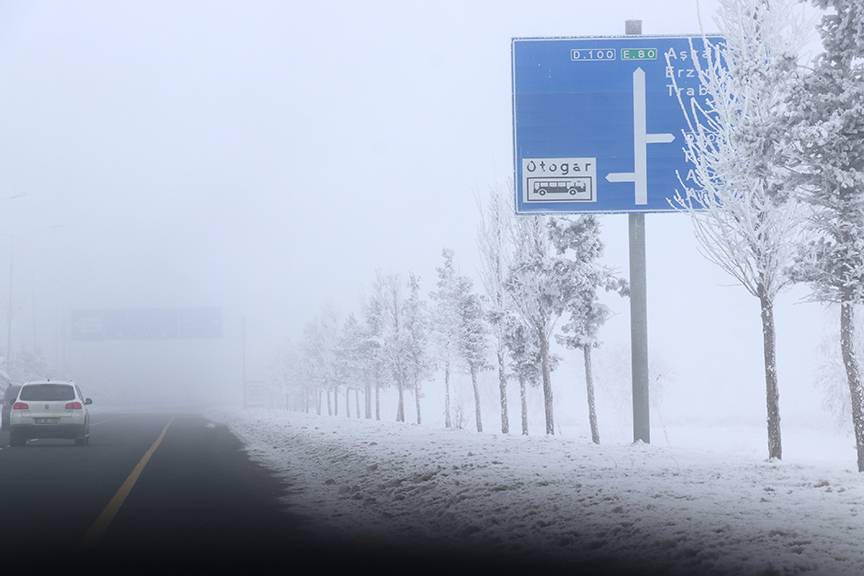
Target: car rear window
x,y
47,392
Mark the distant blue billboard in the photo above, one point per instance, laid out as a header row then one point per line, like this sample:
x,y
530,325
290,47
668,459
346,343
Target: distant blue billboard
x,y
146,324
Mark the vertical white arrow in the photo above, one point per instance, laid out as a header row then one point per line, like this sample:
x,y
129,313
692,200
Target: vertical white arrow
x,y
641,139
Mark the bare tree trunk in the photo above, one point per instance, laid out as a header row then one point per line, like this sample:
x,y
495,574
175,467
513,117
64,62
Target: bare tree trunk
x,y
772,393
357,402
502,387
476,386
589,387
523,395
377,400
318,401
306,400
329,404
853,376
447,422
368,399
336,400
547,382
347,402
417,397
400,410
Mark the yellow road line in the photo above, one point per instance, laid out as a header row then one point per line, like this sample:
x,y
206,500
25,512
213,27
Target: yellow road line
x,y
101,524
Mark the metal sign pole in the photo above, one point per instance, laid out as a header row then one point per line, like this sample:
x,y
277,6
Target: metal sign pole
x,y
638,310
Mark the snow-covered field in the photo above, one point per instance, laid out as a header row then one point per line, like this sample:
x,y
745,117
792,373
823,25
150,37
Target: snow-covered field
x,y
698,512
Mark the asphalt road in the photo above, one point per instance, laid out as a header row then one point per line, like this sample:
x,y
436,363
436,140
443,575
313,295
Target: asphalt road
x,y
198,503
197,500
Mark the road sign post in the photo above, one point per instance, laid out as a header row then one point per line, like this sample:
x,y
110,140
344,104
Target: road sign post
x,y
598,128
638,268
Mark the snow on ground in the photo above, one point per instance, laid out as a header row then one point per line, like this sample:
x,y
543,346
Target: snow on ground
x,y
699,512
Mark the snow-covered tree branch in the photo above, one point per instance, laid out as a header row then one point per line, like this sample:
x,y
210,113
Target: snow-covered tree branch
x,y
827,112
494,238
737,192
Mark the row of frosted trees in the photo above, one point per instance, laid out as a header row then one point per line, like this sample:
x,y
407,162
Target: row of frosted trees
x,y
539,279
775,196
777,148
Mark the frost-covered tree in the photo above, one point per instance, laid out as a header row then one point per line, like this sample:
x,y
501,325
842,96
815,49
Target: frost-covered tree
x,y
831,374
395,342
417,334
350,356
612,366
445,323
373,346
292,376
309,363
472,344
737,191
28,365
524,360
284,374
494,240
535,289
319,357
579,248
828,116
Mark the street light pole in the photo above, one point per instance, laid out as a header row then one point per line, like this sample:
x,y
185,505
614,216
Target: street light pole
x,y
10,304
11,285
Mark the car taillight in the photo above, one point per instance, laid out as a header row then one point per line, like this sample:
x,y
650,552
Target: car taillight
x,y
20,406
73,406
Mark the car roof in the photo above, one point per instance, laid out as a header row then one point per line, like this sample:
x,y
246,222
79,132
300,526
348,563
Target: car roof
x,y
48,382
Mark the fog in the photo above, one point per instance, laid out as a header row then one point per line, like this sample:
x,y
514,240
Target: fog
x,y
267,158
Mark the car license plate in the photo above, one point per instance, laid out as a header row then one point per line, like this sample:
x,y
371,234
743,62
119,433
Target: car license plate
x,y
47,420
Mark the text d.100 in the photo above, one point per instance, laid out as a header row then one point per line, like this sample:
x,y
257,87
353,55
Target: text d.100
x,y
593,54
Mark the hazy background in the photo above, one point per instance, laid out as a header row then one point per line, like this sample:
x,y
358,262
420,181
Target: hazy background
x,y
269,157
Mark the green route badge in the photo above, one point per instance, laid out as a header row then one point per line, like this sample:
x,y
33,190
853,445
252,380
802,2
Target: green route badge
x,y
638,54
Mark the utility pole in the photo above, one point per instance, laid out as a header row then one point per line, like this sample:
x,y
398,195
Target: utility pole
x,y
10,303
638,307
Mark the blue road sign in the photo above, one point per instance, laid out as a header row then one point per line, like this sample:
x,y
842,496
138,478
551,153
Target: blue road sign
x,y
597,122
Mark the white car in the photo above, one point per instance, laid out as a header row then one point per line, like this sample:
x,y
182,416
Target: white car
x,y
49,410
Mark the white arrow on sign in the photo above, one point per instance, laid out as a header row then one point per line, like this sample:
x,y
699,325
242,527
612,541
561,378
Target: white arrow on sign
x,y
641,139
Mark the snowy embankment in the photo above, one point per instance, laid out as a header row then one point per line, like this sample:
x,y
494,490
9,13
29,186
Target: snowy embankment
x,y
696,512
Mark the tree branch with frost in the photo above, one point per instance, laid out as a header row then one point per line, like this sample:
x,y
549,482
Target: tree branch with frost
x,y
737,191
494,240
536,291
828,124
